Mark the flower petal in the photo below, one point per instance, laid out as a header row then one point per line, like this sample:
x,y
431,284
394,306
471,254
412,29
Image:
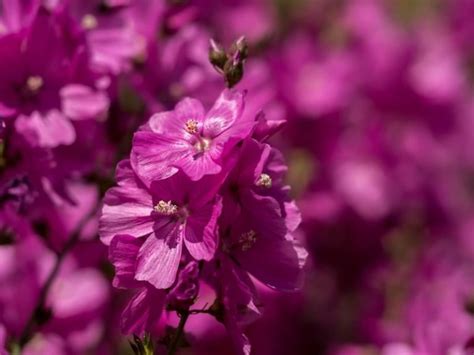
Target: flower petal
x,y
153,154
143,312
201,231
127,209
159,257
123,253
224,114
81,102
48,131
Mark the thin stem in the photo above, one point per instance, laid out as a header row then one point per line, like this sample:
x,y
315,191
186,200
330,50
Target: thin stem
x,y
179,332
40,305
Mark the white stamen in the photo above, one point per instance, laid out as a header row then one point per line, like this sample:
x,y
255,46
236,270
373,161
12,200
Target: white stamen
x,y
89,22
191,126
34,83
166,208
264,180
247,240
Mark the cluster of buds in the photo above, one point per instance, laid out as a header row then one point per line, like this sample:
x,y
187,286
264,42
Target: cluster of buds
x,y
231,63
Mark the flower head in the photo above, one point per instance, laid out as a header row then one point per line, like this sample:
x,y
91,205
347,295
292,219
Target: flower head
x,y
187,139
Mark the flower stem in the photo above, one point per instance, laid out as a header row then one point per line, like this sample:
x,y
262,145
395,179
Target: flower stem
x,y
179,332
40,308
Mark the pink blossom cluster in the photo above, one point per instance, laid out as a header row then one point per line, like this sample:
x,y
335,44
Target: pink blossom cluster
x,y
147,149
201,200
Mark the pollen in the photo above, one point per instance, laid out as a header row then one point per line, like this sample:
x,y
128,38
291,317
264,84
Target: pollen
x,y
89,22
247,240
191,126
264,180
34,83
166,208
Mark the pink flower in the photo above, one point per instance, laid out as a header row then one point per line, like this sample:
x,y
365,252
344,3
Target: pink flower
x,y
259,219
168,213
187,139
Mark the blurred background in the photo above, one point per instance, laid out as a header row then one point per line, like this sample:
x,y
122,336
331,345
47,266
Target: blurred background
x,y
378,96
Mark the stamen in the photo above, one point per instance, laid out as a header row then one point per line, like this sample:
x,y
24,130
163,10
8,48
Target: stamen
x,y
264,180
166,208
191,126
34,83
89,22
202,144
247,240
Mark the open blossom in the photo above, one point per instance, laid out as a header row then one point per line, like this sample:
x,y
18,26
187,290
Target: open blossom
x,y
189,139
115,31
51,85
168,214
258,222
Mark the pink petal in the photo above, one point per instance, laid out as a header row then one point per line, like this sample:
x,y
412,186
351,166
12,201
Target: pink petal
x,y
112,49
47,131
152,155
225,112
123,253
189,108
127,209
143,312
81,102
159,257
201,231
276,258
197,167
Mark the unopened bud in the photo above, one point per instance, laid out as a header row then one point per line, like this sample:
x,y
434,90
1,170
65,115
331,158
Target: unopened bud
x,y
233,73
240,49
217,55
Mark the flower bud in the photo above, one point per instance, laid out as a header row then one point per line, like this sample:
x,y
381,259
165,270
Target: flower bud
x,y
233,73
217,55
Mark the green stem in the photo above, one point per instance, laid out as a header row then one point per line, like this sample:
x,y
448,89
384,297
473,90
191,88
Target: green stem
x,y
179,332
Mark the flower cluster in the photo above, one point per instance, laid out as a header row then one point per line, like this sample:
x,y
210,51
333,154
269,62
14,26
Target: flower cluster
x,y
201,200
146,153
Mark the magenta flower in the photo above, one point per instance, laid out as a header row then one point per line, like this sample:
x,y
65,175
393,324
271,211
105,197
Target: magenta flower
x,y
51,85
259,218
110,29
168,213
188,139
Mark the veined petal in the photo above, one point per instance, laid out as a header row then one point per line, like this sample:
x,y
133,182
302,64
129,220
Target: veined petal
x,y
197,166
127,208
189,108
153,154
224,114
143,311
159,257
201,231
123,253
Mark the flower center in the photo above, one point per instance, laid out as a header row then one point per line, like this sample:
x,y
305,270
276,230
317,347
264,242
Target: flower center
x,y
191,126
34,83
166,208
89,22
247,240
202,144
264,180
